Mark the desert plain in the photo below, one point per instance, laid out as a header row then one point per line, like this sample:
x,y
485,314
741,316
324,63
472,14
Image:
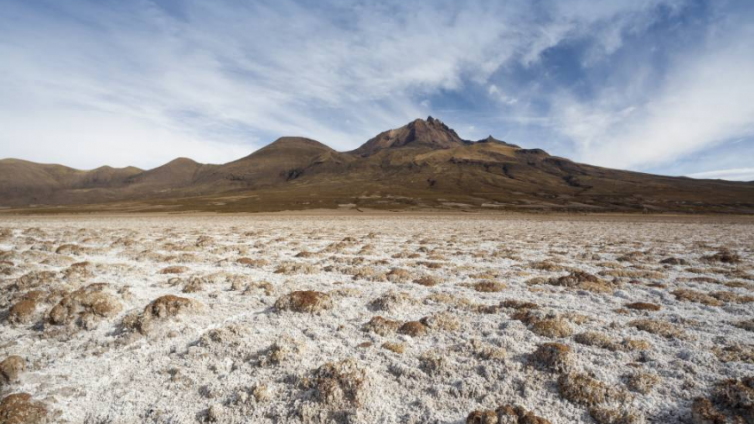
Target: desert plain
x,y
376,318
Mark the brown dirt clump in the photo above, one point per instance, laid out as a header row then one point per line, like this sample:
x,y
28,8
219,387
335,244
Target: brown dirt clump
x,y
399,275
489,286
11,368
510,414
341,384
518,304
427,281
167,306
642,382
581,280
688,295
661,328
747,325
177,269
643,306
22,312
603,415
482,417
306,301
382,326
552,327
18,408
85,307
584,390
413,329
735,353
723,256
732,402
555,357
704,412
283,350
252,263
392,301
596,339
394,347
443,321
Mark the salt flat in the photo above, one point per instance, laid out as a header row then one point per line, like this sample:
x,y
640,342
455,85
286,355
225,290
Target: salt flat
x,y
365,319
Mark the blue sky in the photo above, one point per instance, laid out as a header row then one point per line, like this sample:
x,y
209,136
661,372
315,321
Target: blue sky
x,y
662,86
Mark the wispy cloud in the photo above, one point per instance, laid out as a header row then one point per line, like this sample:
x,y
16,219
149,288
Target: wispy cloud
x,y
137,83
737,174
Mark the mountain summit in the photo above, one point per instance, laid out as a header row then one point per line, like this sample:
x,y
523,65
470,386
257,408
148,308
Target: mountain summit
x,y
431,133
421,165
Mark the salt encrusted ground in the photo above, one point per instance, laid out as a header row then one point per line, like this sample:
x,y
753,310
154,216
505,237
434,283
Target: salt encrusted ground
x,y
232,357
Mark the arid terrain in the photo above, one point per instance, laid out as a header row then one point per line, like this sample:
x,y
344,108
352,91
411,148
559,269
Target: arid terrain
x,y
369,318
421,166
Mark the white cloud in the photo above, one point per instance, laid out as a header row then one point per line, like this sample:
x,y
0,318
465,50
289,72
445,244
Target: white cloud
x,y
737,174
128,83
703,100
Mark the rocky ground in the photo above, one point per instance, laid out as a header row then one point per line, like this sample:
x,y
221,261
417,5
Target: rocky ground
x,y
375,319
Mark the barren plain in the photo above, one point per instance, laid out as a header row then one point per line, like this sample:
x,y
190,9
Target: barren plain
x,y
376,319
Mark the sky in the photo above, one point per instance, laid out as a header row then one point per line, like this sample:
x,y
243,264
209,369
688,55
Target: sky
x,y
659,86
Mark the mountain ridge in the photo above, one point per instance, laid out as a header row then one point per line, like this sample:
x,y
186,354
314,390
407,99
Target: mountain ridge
x,y
422,165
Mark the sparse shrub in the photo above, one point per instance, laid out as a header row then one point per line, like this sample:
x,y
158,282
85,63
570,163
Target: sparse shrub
x,y
482,417
342,384
661,328
596,339
635,344
642,382
307,301
427,281
735,353
518,304
555,357
582,280
723,256
283,350
394,347
399,275
584,390
552,327
604,415
674,261
442,321
704,412
18,408
293,268
85,307
510,414
167,306
696,296
177,269
488,352
252,263
489,286
730,297
382,326
432,363
11,368
643,306
22,312
392,301
413,329
747,325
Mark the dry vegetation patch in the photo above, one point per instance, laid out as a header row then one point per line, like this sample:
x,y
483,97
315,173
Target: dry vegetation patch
x,y
306,301
18,408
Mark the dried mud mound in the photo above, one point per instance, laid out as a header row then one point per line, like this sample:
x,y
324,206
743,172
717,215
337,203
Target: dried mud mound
x,y
188,319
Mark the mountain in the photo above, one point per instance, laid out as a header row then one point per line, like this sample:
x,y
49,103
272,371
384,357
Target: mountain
x,y
422,165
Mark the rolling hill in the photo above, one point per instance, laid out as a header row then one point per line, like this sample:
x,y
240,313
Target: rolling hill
x,y
422,165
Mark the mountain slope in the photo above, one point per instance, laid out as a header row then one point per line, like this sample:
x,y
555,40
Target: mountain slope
x,y
423,164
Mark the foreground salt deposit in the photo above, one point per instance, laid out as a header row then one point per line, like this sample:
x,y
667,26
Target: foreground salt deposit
x,y
415,319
